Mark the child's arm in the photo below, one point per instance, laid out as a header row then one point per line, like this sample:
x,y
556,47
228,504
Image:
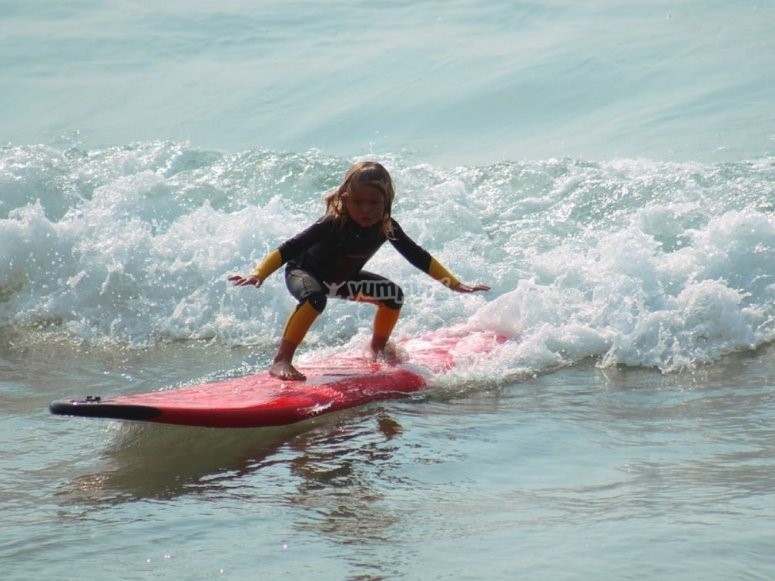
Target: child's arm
x,y
280,255
267,266
422,259
436,270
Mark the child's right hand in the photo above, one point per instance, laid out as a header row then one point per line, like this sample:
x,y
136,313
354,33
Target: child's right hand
x,y
238,280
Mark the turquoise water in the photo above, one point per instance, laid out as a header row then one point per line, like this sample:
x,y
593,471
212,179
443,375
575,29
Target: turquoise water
x,y
454,82
606,167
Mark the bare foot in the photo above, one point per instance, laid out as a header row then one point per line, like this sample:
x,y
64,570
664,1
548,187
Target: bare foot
x,y
390,354
284,370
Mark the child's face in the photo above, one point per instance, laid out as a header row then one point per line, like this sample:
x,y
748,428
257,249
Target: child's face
x,y
365,206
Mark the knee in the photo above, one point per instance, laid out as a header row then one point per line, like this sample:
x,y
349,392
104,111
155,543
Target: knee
x,y
317,301
395,298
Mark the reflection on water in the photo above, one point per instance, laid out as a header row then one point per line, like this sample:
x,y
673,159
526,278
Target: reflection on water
x,y
333,472
152,461
163,462
623,454
344,482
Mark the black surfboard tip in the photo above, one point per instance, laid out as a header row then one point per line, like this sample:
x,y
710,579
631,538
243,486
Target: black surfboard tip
x,y
95,407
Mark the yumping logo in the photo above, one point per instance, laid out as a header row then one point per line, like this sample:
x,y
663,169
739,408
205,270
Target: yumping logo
x,y
378,290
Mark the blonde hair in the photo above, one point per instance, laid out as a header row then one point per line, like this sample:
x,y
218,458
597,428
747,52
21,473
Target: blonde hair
x,y
362,174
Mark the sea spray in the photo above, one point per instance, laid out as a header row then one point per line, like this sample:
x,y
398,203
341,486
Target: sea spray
x,y
630,262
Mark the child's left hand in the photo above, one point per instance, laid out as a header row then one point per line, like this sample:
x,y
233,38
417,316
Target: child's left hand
x,y
464,288
238,280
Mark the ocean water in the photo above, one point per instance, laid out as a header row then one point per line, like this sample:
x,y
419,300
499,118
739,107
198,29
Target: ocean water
x,y
607,167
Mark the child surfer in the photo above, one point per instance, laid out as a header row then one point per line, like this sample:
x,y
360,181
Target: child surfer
x,y
326,260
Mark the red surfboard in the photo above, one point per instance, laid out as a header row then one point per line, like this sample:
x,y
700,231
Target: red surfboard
x,y
262,400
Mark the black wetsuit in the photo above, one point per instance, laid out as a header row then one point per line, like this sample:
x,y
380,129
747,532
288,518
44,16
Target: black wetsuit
x,y
327,260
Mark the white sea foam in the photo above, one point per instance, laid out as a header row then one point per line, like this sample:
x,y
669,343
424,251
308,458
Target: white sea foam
x,y
631,262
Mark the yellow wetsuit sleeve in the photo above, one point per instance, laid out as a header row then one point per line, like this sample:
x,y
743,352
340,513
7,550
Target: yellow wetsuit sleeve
x,y
268,265
441,274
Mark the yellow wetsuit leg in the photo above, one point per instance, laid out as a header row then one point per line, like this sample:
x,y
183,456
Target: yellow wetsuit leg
x,y
385,320
299,322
